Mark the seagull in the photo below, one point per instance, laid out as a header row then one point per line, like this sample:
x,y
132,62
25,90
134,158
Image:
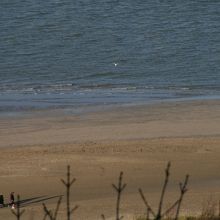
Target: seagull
x,y
115,64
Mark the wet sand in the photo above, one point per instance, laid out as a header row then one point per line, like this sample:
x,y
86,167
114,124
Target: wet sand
x,y
138,140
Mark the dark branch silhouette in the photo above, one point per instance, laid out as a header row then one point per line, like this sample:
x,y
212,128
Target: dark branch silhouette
x,y
18,212
119,190
149,209
219,209
148,214
183,190
167,174
170,208
49,213
177,203
68,183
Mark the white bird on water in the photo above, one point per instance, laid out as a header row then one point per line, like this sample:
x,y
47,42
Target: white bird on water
x,y
115,64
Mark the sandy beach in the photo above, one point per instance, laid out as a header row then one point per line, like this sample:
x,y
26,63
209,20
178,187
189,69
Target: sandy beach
x,y
36,148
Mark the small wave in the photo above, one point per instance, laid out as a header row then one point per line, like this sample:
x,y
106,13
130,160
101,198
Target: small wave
x,y
98,86
37,88
102,75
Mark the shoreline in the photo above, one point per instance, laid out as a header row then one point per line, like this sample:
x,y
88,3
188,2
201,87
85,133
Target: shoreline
x,y
91,108
168,119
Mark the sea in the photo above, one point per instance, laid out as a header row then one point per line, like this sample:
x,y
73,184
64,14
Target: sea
x,y
66,54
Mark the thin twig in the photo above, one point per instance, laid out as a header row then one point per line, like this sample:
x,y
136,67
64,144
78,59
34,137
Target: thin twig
x,y
57,208
18,212
68,185
49,213
149,209
148,214
183,190
219,209
167,174
170,208
177,203
119,190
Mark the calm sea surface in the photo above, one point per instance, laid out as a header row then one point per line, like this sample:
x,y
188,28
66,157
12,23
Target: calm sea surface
x,y
65,53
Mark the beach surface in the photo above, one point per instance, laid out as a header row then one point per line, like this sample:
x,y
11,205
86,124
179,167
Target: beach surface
x,y
36,148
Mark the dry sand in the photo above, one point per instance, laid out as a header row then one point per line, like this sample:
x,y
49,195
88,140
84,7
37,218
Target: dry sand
x,y
139,140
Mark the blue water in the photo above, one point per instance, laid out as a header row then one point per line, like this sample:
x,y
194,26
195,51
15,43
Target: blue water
x,y
62,53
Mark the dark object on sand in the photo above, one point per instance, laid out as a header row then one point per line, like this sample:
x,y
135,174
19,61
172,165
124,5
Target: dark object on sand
x,y
1,201
12,199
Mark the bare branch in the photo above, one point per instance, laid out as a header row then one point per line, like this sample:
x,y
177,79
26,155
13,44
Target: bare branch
x,y
219,209
150,210
74,209
18,212
49,212
68,184
63,182
73,180
167,174
183,190
177,203
58,206
148,214
114,186
119,190
170,208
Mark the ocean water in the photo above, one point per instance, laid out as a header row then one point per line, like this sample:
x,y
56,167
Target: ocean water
x,y
66,54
